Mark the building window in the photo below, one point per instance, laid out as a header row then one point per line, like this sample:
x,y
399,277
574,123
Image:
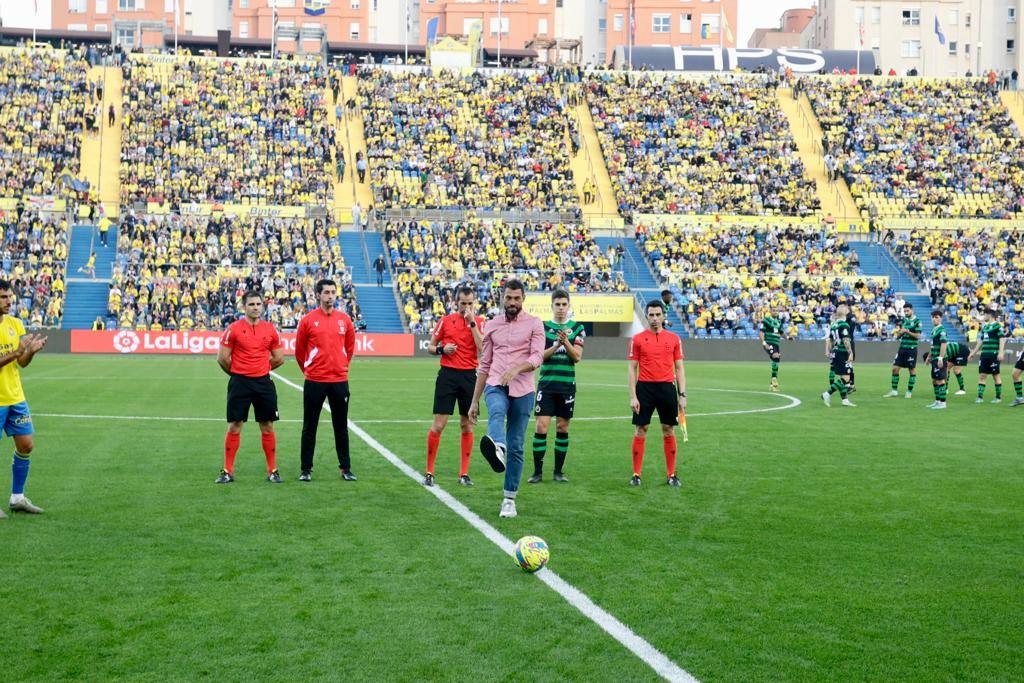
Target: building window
x,y
910,49
1011,15
661,23
876,15
954,17
952,47
78,27
243,29
125,37
355,4
101,28
617,22
504,26
130,5
967,20
542,27
711,21
858,15
1011,47
911,17
542,2
468,25
876,43
101,6
686,23
284,3
967,48
353,30
77,7
243,4
602,25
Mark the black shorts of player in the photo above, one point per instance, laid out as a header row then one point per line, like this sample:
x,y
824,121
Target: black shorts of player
x,y
773,351
552,404
258,392
840,365
988,364
960,359
905,358
660,396
939,372
453,385
1019,365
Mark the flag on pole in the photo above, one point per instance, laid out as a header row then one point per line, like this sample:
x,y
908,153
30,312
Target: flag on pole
x,y
682,425
432,25
705,29
861,30
632,19
725,25
938,32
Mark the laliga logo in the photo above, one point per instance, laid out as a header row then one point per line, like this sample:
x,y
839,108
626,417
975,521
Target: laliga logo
x,y
126,341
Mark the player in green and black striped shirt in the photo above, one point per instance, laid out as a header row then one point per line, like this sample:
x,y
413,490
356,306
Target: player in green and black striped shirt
x,y
908,334
839,349
556,391
991,343
771,334
956,360
938,360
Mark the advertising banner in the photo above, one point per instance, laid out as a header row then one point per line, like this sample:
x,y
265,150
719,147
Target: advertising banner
x,y
585,308
204,342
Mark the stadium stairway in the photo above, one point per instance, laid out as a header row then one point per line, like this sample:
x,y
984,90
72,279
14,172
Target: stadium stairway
x,y
590,162
110,146
1013,100
378,304
876,259
344,187
640,278
87,297
91,152
355,139
835,197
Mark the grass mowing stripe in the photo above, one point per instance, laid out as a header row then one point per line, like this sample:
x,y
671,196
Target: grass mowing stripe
x,y
647,653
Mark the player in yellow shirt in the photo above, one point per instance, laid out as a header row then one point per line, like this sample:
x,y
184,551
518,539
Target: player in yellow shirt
x,y
17,349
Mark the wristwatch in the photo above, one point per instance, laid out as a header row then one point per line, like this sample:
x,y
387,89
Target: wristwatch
x,y
682,394
472,323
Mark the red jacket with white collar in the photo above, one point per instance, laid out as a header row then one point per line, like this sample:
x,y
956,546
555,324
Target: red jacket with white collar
x,y
324,345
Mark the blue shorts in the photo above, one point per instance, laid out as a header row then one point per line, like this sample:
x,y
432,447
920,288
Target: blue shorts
x,y
16,419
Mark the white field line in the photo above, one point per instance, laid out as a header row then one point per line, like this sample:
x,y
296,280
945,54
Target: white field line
x,y
655,659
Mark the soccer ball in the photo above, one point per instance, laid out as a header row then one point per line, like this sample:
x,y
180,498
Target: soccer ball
x,y
531,553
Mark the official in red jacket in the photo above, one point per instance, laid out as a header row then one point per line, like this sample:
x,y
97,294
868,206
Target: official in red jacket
x,y
324,346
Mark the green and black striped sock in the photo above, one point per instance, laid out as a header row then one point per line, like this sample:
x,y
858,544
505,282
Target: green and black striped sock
x,y
960,381
911,383
999,391
561,450
1018,388
540,446
775,369
981,389
895,382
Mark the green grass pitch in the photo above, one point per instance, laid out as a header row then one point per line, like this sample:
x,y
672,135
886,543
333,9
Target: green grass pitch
x,y
877,543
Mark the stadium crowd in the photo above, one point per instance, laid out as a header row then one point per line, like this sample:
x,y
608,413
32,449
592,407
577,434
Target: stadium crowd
x,y
937,148
469,141
202,131
699,146
186,273
966,272
724,279
43,102
431,259
33,253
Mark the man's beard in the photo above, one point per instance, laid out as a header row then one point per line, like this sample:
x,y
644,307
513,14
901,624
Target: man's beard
x,y
511,311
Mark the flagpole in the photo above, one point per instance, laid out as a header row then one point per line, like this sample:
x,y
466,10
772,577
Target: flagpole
x,y
499,34
721,25
407,31
176,27
35,21
629,33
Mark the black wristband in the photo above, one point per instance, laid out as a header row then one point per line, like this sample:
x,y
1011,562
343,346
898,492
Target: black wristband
x,y
682,394
472,323
440,350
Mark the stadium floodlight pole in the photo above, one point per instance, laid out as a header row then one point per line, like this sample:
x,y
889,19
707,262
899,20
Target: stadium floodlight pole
x,y
176,27
499,34
629,36
273,29
406,62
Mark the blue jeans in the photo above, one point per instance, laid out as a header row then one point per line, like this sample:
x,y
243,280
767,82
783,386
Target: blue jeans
x,y
500,407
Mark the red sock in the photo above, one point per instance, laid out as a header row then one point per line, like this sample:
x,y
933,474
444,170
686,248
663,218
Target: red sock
x,y
433,441
231,443
270,450
467,450
638,454
670,455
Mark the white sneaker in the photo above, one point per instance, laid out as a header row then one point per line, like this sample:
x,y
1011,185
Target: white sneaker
x,y
960,392
938,405
908,395
932,404
996,400
848,403
826,398
23,504
979,400
508,508
892,394
1017,402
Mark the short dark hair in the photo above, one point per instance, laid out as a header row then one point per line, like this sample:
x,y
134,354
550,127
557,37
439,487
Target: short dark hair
x,y
907,304
666,291
654,303
937,312
515,285
326,282
559,294
5,285
465,290
251,294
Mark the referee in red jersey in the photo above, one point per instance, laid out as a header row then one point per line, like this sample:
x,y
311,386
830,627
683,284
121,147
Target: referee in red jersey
x,y
656,382
324,346
458,339
249,349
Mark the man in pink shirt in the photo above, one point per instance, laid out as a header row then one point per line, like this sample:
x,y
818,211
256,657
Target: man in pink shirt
x,y
513,348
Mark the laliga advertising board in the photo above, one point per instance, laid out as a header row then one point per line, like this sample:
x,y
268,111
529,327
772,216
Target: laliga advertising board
x,y
201,342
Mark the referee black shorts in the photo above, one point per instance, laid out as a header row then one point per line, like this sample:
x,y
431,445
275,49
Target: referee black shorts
x,y
258,392
453,385
660,396
905,358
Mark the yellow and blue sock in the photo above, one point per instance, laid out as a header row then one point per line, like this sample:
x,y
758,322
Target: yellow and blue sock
x,y
19,473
